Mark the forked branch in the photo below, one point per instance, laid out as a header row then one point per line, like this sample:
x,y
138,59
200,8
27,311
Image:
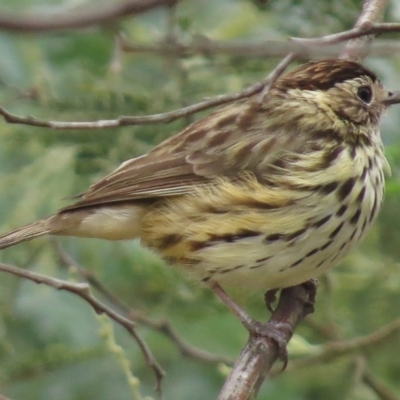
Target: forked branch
x,y
82,290
260,353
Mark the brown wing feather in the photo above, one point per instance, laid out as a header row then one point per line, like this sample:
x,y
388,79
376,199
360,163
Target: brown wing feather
x,y
235,138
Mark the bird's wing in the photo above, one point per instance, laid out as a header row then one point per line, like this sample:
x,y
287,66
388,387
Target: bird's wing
x,y
233,139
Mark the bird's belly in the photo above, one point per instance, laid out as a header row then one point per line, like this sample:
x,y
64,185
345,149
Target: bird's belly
x,y
257,263
262,248
277,260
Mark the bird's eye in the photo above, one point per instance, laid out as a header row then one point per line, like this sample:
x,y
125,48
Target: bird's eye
x,y
365,94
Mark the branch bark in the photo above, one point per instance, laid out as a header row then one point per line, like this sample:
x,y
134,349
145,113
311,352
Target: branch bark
x,y
82,290
84,18
332,350
373,11
336,38
162,326
261,353
250,48
156,118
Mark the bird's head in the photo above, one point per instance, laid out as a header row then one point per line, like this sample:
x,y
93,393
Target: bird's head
x,y
342,92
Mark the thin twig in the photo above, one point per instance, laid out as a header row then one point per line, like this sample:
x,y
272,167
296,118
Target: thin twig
x,y
275,74
250,48
84,18
149,119
379,387
384,27
82,290
333,350
162,326
372,12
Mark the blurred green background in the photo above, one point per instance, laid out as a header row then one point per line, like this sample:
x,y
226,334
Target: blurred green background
x,y
52,345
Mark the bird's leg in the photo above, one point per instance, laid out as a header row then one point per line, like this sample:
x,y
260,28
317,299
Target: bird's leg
x,y
270,299
311,285
274,330
244,318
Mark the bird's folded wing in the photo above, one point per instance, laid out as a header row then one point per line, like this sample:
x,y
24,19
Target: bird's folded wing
x,y
229,141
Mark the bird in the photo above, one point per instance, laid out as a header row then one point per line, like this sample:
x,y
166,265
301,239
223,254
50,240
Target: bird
x,y
264,193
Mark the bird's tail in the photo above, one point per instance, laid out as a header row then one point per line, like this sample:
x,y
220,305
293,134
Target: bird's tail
x,y
23,234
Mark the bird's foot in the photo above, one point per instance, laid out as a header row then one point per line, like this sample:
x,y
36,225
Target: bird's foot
x,y
278,332
270,296
311,286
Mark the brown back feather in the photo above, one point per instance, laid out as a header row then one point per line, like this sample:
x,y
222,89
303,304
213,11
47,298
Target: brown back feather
x,y
243,136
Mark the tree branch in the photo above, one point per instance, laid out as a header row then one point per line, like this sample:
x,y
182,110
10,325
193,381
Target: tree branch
x,y
367,29
82,290
155,118
333,350
372,12
92,16
163,326
378,386
260,353
250,48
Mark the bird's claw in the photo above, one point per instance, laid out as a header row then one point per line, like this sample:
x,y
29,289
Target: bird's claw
x,y
278,332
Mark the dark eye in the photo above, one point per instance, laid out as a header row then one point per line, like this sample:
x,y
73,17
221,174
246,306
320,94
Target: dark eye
x,y
365,94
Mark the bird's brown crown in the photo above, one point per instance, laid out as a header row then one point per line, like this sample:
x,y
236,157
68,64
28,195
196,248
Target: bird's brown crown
x,y
323,75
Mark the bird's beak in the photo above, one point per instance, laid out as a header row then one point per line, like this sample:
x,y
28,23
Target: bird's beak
x,y
392,98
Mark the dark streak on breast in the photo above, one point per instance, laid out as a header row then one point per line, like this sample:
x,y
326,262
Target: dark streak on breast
x,y
331,155
260,260
329,187
294,235
273,237
353,234
312,252
341,210
374,209
364,173
337,230
326,245
197,245
345,189
297,262
322,221
169,241
354,219
361,195
229,237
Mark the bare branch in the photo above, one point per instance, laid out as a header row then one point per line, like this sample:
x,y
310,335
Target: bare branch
x,y
384,27
149,119
235,48
337,349
260,353
82,290
275,74
83,19
373,10
380,388
250,48
163,326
